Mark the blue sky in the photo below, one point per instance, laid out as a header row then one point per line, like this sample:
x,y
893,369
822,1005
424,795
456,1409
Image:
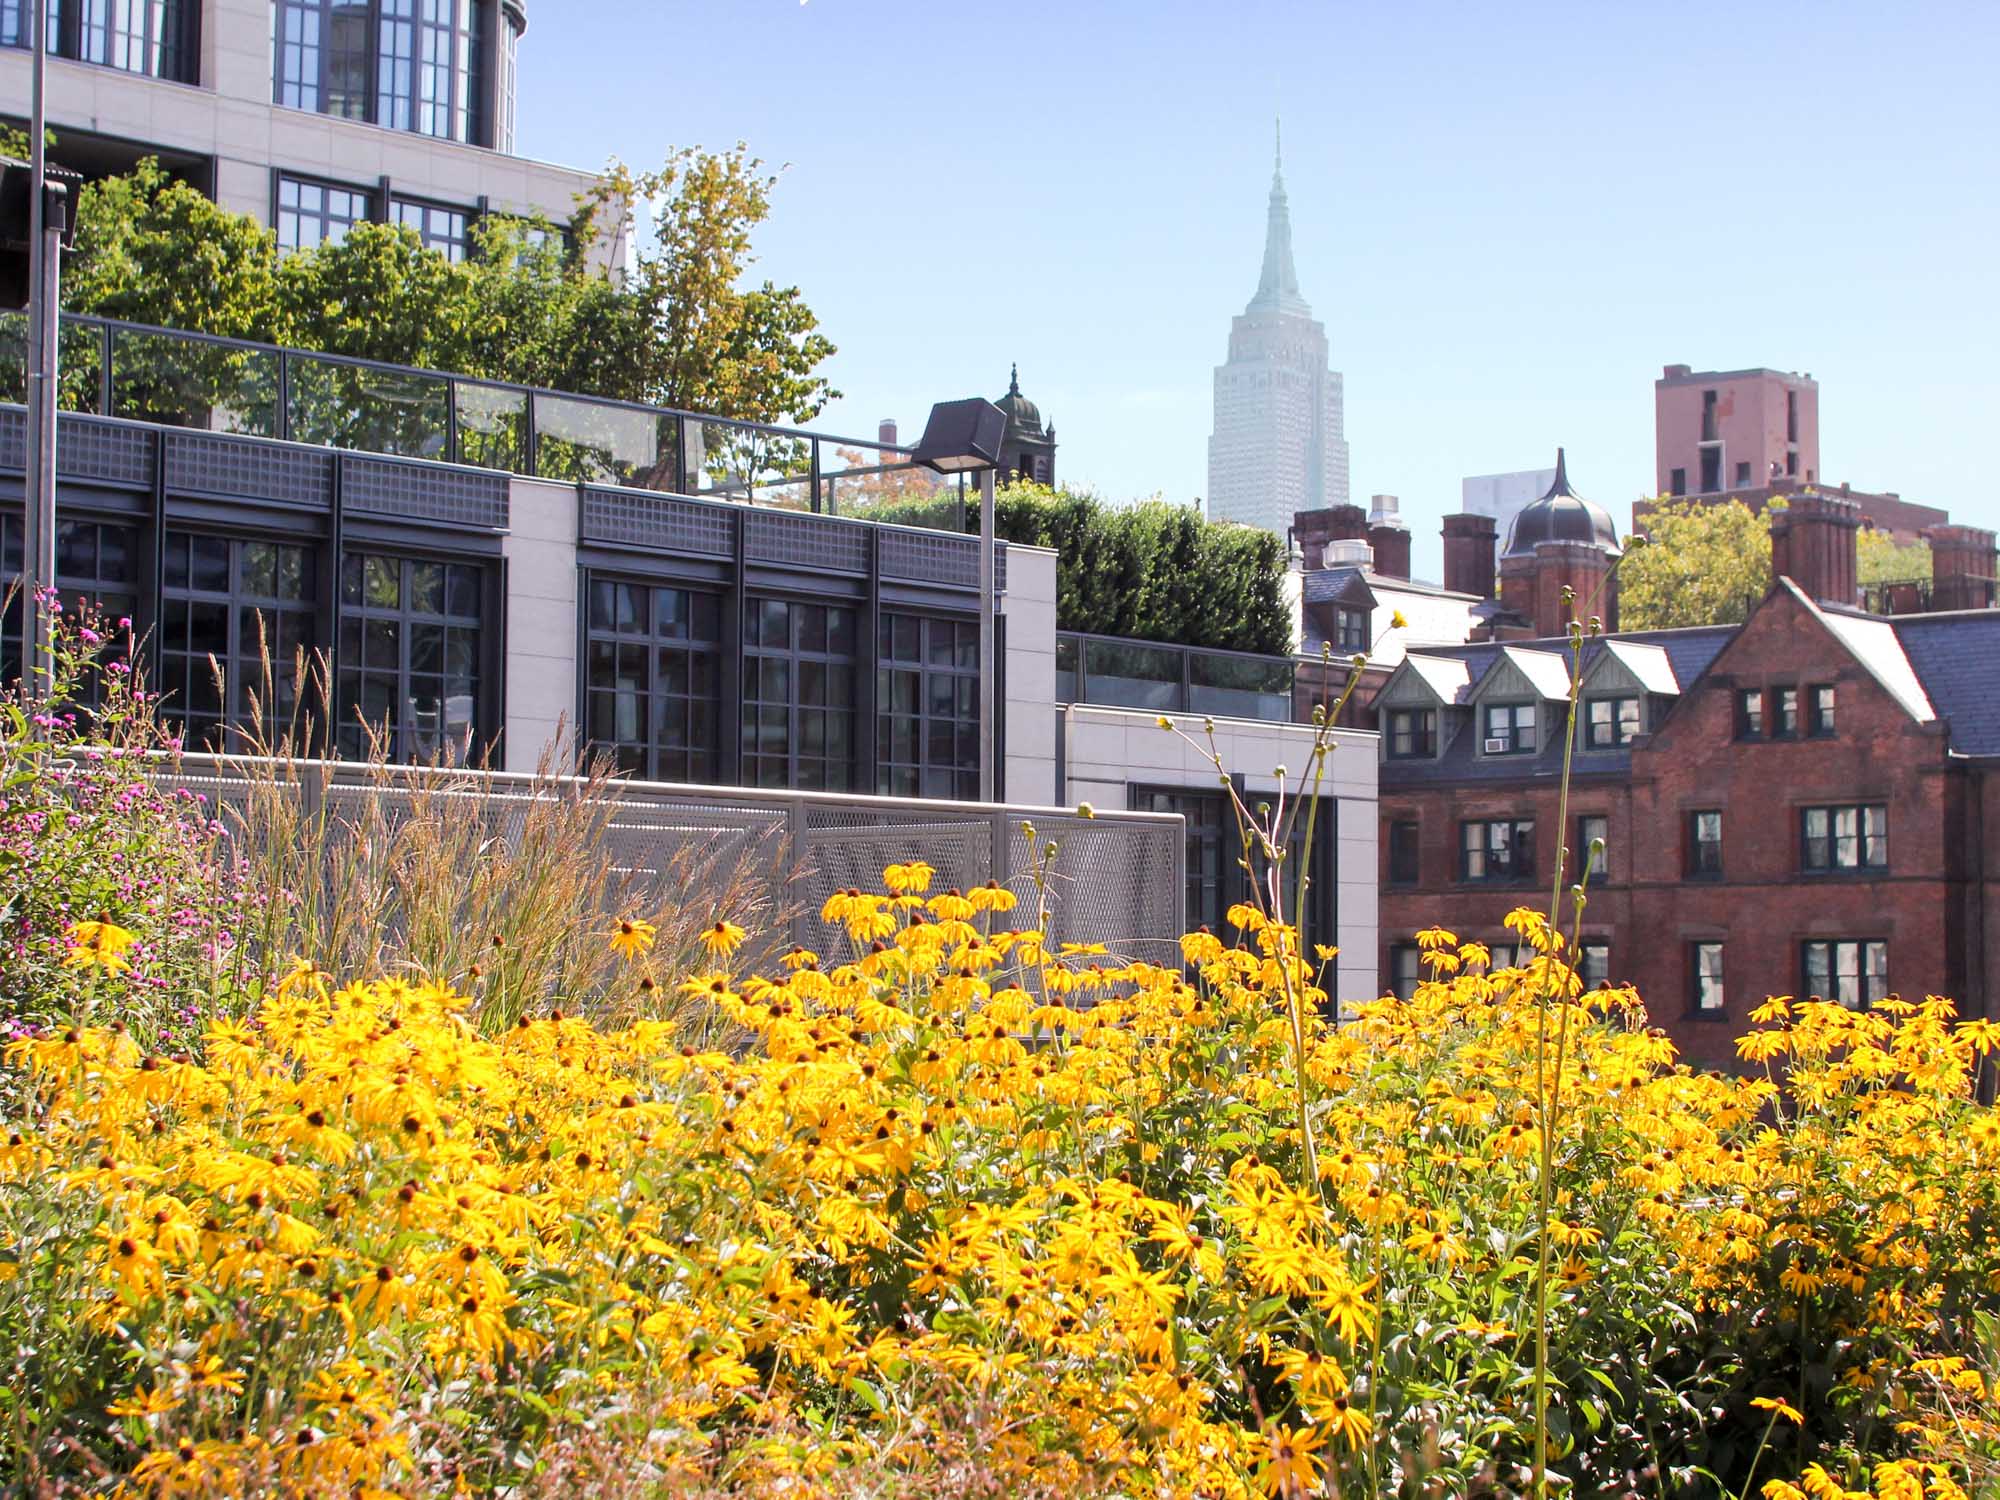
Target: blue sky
x,y
1508,216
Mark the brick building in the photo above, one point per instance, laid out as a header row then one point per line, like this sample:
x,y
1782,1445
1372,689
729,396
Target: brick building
x,y
1802,804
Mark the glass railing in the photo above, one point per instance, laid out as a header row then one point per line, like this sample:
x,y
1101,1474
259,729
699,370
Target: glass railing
x,y
232,385
1119,673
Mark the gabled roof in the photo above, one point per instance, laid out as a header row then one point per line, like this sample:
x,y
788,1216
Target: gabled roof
x,y
1956,656
1649,665
1338,586
1546,672
1450,680
1873,642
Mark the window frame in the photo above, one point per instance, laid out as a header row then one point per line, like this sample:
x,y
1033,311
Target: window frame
x,y
1698,866
1617,735
293,624
1207,827
1402,957
1783,715
1514,711
486,682
1515,869
1830,838
921,774
323,215
113,596
1405,839
1704,984
416,213
1599,868
1870,973
168,31
1422,736
835,774
1593,962
1351,629
1750,714
407,48
1822,711
650,754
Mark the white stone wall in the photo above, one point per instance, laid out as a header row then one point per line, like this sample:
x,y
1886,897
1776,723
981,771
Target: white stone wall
x,y
231,119
1110,750
540,549
1030,719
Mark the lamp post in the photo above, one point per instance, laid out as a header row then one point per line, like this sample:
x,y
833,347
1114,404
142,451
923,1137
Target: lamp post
x,y
48,226
964,437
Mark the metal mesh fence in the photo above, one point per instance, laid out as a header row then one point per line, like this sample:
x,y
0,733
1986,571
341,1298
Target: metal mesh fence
x,y
1115,879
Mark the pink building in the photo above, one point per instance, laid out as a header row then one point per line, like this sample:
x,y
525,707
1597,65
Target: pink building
x,y
1729,430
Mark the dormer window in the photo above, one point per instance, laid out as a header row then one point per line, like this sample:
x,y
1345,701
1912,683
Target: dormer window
x,y
1412,733
1509,729
1610,723
1350,629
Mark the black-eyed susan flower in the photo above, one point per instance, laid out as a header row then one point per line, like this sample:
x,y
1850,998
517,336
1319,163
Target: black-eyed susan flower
x,y
633,938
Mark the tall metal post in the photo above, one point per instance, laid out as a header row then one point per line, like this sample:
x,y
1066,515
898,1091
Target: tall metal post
x,y
44,261
989,669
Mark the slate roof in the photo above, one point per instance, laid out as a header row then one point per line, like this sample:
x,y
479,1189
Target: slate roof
x,y
1956,656
1688,653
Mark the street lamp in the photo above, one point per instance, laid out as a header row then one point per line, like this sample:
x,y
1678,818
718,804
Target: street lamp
x,y
963,437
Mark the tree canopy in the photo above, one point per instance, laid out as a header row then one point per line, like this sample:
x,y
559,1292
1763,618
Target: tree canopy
x,y
1700,565
1151,571
677,328
1878,559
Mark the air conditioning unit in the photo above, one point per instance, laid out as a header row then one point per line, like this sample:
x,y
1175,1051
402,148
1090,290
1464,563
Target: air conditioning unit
x,y
1499,746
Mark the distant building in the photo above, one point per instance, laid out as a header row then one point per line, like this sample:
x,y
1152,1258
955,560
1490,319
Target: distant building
x,y
1753,435
309,115
1279,445
1503,497
1027,447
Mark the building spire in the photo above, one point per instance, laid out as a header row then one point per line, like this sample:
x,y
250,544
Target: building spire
x,y
1278,286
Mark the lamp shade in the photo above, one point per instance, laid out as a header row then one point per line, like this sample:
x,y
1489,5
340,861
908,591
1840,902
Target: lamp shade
x,y
962,435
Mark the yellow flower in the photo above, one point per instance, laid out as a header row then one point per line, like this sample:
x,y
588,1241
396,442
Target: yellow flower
x,y
1289,1467
911,879
99,945
632,938
1779,1408
723,939
148,1402
1396,620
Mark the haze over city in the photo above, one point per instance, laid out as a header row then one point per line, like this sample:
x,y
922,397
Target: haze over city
x,y
1508,220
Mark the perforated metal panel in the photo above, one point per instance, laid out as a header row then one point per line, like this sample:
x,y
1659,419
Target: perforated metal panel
x,y
108,452
248,469
627,518
931,557
1116,879
817,542
425,492
13,439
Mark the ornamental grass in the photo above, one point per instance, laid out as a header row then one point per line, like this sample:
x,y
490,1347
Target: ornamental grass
x,y
940,1210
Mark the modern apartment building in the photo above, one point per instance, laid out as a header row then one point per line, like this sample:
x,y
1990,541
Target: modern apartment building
x,y
310,115
492,570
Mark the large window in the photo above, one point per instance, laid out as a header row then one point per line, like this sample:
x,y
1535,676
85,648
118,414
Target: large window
x,y
798,695
97,564
409,656
1412,733
316,213
1784,713
1704,845
153,37
1820,698
1405,970
1611,722
1706,996
1350,629
1750,714
1405,853
1593,846
1510,729
441,229
652,675
927,707
1853,973
1844,838
1497,850
416,65
240,607
1209,829
1593,963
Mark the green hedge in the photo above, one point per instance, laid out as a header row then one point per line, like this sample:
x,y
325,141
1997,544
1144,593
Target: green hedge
x,y
1151,571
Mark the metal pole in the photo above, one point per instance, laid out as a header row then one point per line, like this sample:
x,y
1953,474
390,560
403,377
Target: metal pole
x,y
39,561
988,667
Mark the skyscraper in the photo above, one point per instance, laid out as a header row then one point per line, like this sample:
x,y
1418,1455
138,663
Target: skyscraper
x,y
1280,444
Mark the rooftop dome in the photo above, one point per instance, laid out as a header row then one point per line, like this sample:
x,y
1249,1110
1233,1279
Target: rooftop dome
x,y
1561,515
1021,412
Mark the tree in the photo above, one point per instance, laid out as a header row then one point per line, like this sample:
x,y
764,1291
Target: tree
x,y
1878,559
1699,565
678,330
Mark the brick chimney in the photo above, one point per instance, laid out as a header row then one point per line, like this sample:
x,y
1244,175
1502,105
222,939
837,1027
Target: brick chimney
x,y
885,432
1468,554
1532,587
1392,550
1963,562
1812,543
1313,529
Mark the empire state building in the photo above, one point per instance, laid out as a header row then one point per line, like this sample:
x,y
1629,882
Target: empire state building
x,y
1279,444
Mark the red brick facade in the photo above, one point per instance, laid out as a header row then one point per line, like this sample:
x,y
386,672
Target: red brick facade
x,y
1936,904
